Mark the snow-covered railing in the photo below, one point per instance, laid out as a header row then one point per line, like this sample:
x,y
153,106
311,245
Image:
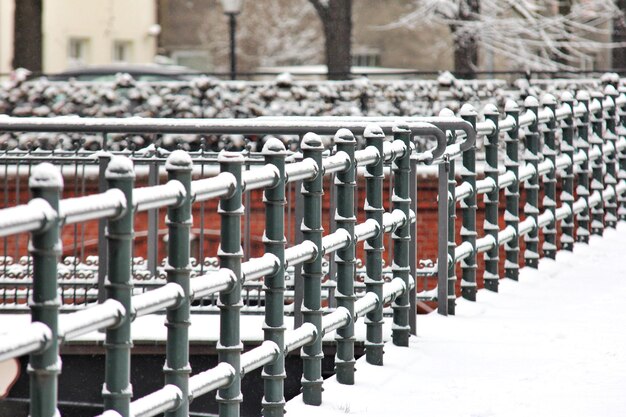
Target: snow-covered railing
x,y
46,215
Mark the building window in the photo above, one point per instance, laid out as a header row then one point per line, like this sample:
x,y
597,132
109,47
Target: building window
x,y
366,57
78,52
122,51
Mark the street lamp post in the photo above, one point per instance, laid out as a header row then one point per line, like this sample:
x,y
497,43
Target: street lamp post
x,y
231,9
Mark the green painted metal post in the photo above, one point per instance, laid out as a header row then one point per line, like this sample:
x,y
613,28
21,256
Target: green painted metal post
x,y
492,200
312,274
596,141
549,200
117,390
345,216
511,193
621,156
446,297
531,208
610,177
230,254
582,190
468,210
402,236
374,177
274,241
567,193
44,367
179,221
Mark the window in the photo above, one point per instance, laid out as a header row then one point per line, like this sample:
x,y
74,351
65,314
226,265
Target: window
x,y
122,51
78,52
366,57
197,60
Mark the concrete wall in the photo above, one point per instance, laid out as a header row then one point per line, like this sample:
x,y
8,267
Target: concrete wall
x,y
6,35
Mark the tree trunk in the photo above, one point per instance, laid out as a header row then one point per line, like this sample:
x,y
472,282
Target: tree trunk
x,y
466,43
337,23
619,35
28,37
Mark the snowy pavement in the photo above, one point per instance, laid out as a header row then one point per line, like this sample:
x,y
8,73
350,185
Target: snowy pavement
x,y
552,344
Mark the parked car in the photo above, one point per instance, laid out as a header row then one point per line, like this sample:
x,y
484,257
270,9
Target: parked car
x,y
140,72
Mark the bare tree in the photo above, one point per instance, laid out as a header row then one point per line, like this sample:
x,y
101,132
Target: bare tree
x,y
336,17
531,34
27,40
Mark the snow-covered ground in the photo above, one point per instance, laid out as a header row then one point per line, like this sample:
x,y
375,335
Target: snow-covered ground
x,y
552,344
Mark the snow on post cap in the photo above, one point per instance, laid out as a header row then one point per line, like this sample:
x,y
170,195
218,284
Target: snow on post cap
x,y
273,146
284,79
446,112
230,156
467,110
490,109
372,130
610,90
446,79
511,106
120,167
344,135
312,141
548,100
401,126
531,101
567,96
179,160
46,175
582,95
610,77
620,100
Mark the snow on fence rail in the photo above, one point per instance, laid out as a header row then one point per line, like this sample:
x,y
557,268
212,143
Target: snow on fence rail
x,y
592,146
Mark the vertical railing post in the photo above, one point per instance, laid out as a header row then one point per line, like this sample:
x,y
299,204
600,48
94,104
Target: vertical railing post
x,y
153,223
312,274
511,193
492,200
345,217
531,208
103,162
413,241
468,210
117,389
610,178
549,200
179,220
567,193
230,254
274,241
596,141
401,236
374,177
582,189
446,289
620,102
44,367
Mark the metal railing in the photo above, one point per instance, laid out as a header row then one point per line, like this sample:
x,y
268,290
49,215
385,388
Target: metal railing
x,y
591,147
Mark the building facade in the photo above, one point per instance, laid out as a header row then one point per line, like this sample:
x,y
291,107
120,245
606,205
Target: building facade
x,y
78,32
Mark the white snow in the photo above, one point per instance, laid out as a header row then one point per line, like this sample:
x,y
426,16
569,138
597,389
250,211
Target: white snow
x,y
551,344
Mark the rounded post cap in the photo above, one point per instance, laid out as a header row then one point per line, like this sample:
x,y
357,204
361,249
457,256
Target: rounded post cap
x,y
46,175
230,157
490,109
531,101
567,96
401,126
610,90
344,135
511,106
372,130
467,110
446,112
274,146
312,141
120,167
582,95
179,160
620,100
548,100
